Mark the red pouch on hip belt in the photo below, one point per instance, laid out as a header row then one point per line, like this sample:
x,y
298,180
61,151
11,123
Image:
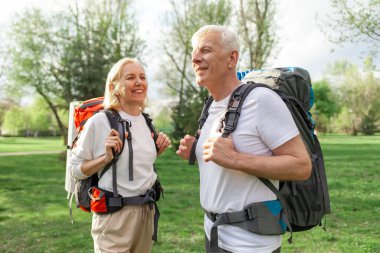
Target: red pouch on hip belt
x,y
100,201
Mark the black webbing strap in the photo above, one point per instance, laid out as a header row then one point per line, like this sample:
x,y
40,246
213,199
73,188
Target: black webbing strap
x,y
227,218
201,121
114,179
149,120
130,149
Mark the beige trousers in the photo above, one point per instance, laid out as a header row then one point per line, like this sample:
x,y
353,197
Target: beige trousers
x,y
129,230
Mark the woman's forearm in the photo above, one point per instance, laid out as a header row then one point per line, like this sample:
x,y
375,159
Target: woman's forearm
x,y
90,167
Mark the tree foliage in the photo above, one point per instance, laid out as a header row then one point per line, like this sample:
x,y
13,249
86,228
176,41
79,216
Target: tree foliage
x,y
66,56
359,92
326,105
185,19
354,21
91,40
35,119
257,31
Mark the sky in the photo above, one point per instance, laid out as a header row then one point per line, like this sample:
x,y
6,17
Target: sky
x,y
302,43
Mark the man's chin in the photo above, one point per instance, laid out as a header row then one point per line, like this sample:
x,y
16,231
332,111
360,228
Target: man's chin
x,y
200,82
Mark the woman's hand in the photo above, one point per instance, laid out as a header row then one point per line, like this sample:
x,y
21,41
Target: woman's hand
x,y
113,142
162,142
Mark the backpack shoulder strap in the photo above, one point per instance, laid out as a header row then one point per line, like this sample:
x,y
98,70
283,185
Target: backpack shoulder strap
x,y
201,121
235,105
152,129
114,119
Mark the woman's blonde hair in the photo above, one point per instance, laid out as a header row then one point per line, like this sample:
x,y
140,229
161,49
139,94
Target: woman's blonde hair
x,y
111,100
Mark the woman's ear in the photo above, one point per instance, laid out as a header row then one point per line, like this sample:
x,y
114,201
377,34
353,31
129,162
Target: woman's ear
x,y
112,89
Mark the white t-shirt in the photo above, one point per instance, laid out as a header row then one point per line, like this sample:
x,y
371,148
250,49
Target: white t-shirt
x,y
265,123
91,146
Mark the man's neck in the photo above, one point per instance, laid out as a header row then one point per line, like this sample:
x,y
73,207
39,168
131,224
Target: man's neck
x,y
224,89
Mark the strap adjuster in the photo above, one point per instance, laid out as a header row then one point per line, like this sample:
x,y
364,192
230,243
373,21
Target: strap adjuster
x,y
248,213
213,216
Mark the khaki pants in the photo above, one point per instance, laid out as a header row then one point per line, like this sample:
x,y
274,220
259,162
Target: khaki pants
x,y
129,230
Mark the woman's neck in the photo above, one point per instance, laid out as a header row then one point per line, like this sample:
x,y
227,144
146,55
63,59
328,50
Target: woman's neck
x,y
133,110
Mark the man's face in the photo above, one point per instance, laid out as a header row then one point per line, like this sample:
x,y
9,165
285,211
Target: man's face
x,y
210,60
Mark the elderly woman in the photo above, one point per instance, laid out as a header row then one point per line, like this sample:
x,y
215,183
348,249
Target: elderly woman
x,y
131,228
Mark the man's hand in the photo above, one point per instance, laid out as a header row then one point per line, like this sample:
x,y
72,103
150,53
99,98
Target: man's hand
x,y
220,151
185,145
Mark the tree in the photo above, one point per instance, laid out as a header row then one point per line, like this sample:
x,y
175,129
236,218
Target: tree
x,y
359,92
30,54
67,55
354,21
92,39
185,19
326,105
257,31
16,121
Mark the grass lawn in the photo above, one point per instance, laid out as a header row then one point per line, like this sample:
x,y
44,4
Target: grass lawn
x,y
24,144
34,214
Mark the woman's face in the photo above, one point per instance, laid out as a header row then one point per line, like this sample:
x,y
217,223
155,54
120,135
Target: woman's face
x,y
133,85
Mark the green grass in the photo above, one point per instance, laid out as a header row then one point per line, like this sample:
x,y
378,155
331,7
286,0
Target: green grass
x,y
34,214
24,144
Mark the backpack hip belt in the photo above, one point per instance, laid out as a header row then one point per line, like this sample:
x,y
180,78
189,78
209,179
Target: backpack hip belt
x,y
263,218
104,202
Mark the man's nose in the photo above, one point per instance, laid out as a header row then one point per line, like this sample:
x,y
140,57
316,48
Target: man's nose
x,y
196,57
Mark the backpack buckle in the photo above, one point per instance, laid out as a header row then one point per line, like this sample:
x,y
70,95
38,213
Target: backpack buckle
x,y
248,214
89,192
127,122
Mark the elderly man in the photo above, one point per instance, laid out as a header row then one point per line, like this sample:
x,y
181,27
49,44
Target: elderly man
x,y
266,143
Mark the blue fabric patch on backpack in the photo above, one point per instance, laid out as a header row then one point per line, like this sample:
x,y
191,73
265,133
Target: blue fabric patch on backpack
x,y
241,75
273,206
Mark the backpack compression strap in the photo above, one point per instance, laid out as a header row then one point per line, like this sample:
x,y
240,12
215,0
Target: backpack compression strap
x,y
201,121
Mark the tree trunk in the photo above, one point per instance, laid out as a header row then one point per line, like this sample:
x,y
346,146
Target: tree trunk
x,y
62,128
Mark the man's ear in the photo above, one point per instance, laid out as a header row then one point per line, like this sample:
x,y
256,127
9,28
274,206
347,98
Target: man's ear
x,y
234,56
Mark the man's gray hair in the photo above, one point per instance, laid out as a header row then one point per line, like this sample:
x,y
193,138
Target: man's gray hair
x,y
230,39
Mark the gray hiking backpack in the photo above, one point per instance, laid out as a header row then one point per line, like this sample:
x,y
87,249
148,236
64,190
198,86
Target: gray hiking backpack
x,y
303,203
